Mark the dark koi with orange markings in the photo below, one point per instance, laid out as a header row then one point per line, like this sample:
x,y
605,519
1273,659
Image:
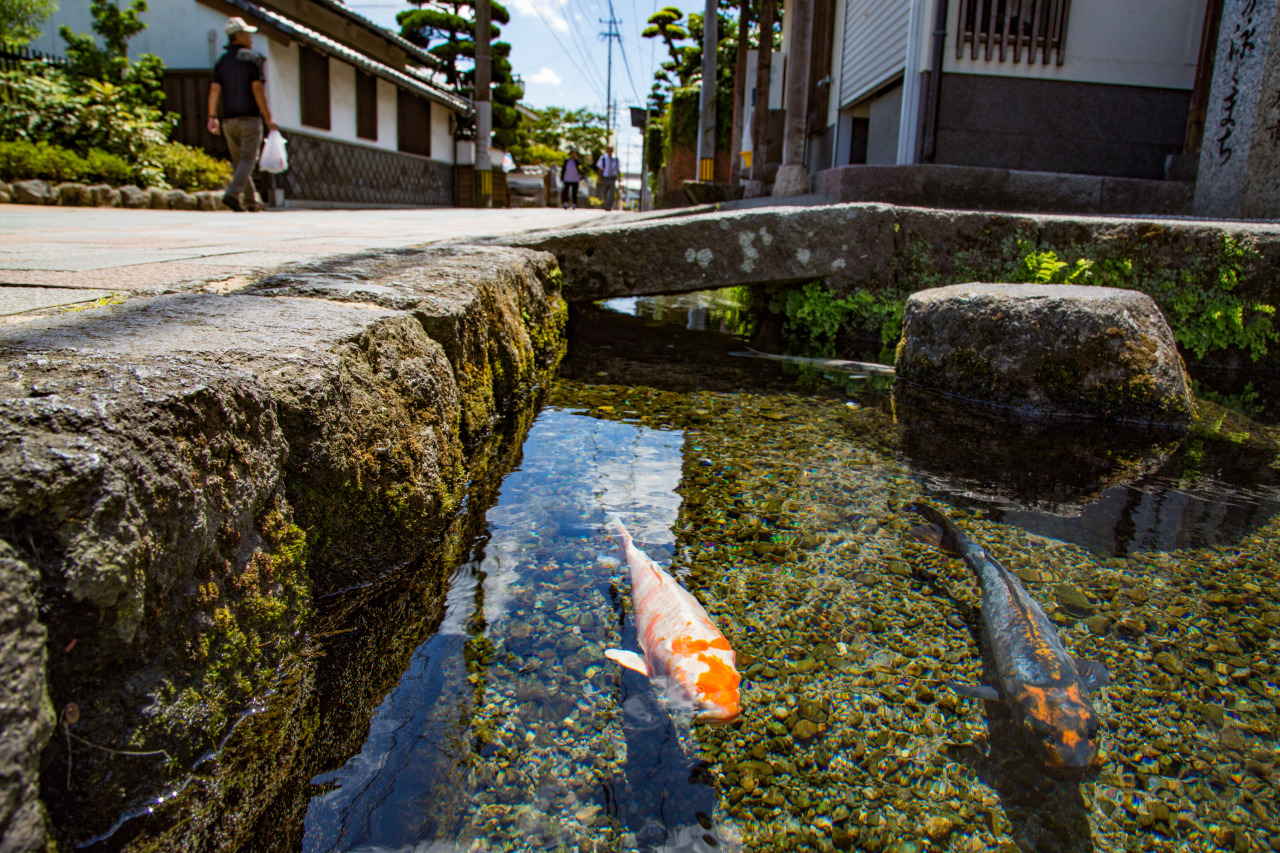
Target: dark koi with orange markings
x,y
1047,688
684,651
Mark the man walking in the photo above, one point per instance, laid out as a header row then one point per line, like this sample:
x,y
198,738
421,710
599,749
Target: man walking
x,y
238,81
608,166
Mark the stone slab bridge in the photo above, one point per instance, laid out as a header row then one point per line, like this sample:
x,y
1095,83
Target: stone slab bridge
x,y
862,245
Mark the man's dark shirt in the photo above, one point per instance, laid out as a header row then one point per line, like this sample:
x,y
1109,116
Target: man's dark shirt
x,y
236,72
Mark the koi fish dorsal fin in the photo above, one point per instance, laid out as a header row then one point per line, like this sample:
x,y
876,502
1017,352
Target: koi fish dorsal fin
x,y
628,660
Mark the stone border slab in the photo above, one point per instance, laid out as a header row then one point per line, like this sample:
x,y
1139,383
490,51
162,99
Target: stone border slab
x,y
180,476
854,245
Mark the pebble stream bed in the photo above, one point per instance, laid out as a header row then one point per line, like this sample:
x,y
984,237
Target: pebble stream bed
x,y
783,511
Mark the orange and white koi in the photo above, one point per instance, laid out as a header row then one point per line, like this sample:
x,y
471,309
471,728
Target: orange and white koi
x,y
684,651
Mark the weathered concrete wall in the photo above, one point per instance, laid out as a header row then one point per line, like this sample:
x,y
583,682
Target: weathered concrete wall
x,y
181,476
860,245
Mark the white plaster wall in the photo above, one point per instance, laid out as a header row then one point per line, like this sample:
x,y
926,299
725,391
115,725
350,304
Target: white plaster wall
x,y
387,120
177,31
442,148
1130,42
283,83
342,102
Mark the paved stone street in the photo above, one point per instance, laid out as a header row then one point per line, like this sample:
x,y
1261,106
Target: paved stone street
x,y
52,258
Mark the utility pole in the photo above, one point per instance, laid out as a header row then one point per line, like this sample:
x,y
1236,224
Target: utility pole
x,y
760,112
484,107
740,88
609,36
707,127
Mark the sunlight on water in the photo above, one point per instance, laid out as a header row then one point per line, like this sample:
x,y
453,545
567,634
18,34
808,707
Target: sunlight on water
x,y
784,509
569,749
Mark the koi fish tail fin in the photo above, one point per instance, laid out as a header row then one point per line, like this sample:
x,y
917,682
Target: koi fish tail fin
x,y
939,531
619,529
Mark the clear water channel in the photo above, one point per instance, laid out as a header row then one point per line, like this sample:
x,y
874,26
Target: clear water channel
x,y
778,497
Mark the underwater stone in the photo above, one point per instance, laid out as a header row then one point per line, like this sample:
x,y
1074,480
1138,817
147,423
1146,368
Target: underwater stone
x,y
1073,598
1041,349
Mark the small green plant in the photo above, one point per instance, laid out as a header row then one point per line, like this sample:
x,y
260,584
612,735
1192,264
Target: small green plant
x,y
1046,268
1200,297
817,320
1208,314
1248,402
113,299
187,168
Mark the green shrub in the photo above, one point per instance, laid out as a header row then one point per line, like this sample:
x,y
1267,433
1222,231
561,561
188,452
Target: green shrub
x,y
49,106
21,160
104,168
188,168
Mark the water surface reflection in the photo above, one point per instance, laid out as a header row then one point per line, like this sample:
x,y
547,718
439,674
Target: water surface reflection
x,y
509,727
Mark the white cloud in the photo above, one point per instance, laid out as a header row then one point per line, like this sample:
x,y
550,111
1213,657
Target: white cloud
x,y
545,75
547,10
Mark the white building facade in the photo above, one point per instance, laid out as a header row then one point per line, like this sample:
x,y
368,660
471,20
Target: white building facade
x,y
365,119
1096,87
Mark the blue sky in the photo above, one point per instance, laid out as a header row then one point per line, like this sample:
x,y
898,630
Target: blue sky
x,y
557,48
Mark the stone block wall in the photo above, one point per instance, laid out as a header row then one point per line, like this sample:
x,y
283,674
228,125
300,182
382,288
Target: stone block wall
x,y
326,170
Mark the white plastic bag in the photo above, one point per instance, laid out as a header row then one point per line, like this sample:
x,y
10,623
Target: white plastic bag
x,y
273,157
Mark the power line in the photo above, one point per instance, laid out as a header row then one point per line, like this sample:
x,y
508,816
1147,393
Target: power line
x,y
586,77
585,13
609,36
631,77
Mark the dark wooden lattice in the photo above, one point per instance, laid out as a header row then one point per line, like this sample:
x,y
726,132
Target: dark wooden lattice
x,y
327,170
413,124
366,105
315,87
998,26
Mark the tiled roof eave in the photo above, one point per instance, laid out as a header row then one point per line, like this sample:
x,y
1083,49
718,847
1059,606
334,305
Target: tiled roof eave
x,y
395,38
332,48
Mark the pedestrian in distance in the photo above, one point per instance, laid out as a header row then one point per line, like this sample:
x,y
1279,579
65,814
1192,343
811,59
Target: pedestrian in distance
x,y
570,175
608,166
238,82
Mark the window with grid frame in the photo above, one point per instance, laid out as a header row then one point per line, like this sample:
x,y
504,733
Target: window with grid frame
x,y
1004,29
314,76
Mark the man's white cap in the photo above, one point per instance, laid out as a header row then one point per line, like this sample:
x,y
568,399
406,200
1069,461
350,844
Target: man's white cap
x,y
238,25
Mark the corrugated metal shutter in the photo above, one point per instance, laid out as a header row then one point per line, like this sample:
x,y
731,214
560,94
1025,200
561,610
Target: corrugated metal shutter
x,y
875,45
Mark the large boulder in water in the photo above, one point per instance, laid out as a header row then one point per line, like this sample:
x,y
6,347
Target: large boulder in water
x,y
1043,349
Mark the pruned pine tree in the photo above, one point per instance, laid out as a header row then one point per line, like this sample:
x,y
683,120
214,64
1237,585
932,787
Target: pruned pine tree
x,y
446,29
